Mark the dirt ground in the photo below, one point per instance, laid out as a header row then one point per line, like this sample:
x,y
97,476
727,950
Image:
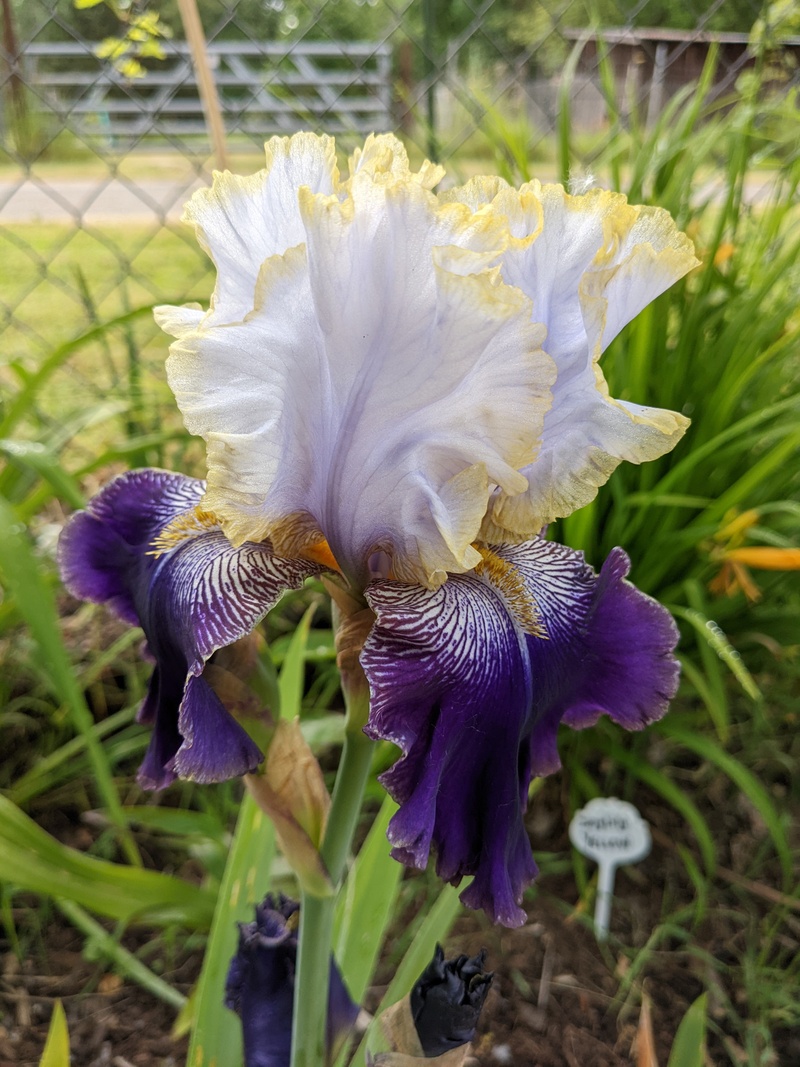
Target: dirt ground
x,y
558,999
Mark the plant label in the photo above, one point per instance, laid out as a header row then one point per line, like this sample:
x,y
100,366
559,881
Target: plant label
x,y
610,832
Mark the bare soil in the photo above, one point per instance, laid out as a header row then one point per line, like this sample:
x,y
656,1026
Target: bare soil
x,y
558,999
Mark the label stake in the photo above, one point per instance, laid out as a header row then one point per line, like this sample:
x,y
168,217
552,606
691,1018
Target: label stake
x,y
611,832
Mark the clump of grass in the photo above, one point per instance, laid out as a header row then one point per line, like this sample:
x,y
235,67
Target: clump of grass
x,y
723,347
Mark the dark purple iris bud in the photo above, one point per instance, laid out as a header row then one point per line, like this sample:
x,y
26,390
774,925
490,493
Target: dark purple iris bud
x,y
447,1000
192,593
471,681
260,986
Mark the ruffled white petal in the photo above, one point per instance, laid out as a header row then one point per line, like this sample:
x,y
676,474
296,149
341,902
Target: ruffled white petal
x,y
384,157
372,396
371,369
241,221
590,264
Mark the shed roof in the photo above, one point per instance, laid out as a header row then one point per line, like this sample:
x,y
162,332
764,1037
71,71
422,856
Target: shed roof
x,y
637,35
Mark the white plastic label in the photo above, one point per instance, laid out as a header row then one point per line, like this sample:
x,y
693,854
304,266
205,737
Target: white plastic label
x,y
610,832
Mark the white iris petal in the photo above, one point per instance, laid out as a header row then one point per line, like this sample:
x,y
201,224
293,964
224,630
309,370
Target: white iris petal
x,y
371,370
383,382
590,264
242,221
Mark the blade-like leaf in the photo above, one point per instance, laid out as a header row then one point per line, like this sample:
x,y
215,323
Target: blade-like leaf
x,y
364,907
290,682
216,1032
36,605
688,1049
56,1049
33,860
656,780
26,397
714,637
101,944
433,929
755,792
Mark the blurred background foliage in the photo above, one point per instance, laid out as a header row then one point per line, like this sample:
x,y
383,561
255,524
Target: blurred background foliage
x,y
712,528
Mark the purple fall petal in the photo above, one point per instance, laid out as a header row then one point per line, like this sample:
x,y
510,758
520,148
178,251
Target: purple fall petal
x,y
451,686
609,647
199,596
474,702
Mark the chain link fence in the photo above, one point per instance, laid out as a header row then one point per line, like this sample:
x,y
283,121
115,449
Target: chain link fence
x,y
95,164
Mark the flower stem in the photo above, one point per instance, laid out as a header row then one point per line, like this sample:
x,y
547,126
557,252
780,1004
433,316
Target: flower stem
x,y
316,913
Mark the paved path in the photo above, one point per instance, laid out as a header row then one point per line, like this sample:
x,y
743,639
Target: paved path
x,y
91,201
82,201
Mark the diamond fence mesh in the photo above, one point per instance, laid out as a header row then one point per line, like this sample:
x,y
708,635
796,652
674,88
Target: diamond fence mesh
x,y
95,164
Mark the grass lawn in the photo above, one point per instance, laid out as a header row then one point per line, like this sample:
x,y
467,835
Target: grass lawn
x,y
57,283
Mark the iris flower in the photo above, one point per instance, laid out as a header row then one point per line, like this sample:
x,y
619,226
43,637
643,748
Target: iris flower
x,y
402,389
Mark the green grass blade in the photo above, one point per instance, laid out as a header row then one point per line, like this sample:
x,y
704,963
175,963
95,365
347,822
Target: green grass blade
x,y
56,1049
714,638
25,399
292,676
745,780
688,1048
715,649
40,776
216,1032
433,928
673,794
608,87
564,127
364,907
36,605
100,944
33,860
179,822
746,487
695,677
35,457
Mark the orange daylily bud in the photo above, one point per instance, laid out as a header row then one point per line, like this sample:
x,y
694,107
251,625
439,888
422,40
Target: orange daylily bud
x,y
737,524
766,558
724,253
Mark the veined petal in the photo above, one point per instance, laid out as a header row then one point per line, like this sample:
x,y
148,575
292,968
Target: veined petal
x,y
451,686
190,599
590,264
473,695
609,648
373,397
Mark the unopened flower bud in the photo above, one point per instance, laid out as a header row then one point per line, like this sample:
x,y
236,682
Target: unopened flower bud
x,y
260,986
435,1023
292,792
447,1001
